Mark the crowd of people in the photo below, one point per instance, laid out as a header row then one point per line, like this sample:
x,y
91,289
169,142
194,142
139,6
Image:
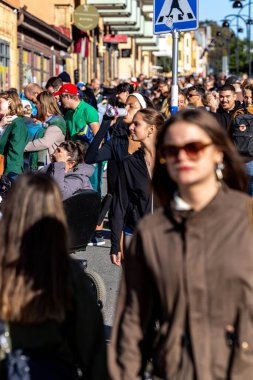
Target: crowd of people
x,y
181,222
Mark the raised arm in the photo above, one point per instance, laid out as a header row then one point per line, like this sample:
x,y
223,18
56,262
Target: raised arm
x,y
95,153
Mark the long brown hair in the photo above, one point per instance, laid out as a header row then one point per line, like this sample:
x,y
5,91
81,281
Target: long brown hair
x,y
234,174
152,117
34,260
48,105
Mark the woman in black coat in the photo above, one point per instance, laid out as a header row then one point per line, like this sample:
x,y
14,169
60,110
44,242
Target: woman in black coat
x,y
120,143
132,197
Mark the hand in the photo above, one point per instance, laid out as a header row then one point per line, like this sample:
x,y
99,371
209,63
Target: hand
x,y
6,120
114,120
60,155
116,258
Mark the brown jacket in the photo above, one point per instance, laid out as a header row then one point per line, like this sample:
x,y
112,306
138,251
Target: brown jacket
x,y
193,271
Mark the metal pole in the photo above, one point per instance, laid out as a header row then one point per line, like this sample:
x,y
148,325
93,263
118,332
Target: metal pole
x,y
249,35
174,87
237,46
95,55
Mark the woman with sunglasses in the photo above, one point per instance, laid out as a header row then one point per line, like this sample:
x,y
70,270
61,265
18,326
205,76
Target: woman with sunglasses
x,y
69,169
133,198
189,269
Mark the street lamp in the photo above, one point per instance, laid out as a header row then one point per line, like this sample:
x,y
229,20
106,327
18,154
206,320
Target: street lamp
x,y
226,23
237,4
249,23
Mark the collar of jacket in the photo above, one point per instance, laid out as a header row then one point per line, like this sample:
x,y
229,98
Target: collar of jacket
x,y
180,217
237,106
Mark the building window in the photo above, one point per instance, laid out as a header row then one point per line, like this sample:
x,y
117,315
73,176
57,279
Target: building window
x,y
37,68
62,15
4,65
27,67
45,69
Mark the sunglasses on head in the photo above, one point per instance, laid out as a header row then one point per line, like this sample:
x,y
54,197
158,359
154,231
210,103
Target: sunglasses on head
x,y
192,149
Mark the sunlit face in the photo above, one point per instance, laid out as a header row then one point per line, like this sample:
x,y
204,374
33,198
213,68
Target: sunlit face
x,y
4,106
132,106
139,129
96,84
60,153
32,96
227,100
65,100
186,171
164,88
181,102
248,97
193,97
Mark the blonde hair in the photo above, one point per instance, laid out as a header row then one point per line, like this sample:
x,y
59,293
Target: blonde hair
x,y
15,105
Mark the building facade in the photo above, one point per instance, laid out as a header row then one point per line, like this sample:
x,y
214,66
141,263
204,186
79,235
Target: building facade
x,y
39,40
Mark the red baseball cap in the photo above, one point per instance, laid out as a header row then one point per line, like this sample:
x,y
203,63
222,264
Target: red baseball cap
x,y
68,88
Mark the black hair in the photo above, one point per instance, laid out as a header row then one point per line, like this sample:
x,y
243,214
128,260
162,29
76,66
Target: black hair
x,y
125,87
227,87
76,150
199,89
54,82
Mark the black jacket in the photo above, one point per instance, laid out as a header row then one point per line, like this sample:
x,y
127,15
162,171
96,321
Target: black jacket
x,y
113,151
224,117
134,197
79,339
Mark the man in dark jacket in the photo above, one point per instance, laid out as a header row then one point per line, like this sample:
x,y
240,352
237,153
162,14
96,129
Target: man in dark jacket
x,y
228,106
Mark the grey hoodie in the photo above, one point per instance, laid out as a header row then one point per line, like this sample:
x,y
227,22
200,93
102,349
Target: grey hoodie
x,y
76,179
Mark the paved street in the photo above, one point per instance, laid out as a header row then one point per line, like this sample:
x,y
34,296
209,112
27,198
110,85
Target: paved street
x,y
99,261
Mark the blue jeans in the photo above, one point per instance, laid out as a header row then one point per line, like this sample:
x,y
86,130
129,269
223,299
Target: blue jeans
x,y
249,170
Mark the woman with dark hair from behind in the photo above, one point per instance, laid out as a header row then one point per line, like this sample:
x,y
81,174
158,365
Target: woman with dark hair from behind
x,y
44,293
69,169
189,269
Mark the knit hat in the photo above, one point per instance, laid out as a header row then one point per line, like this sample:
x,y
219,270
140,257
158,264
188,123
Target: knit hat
x,y
65,77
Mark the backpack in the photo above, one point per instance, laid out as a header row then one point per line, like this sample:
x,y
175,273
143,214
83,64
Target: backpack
x,y
241,132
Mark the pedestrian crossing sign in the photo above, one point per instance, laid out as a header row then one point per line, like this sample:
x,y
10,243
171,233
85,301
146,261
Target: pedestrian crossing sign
x,y
169,15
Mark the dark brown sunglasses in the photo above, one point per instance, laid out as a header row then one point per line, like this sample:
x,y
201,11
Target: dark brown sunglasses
x,y
192,150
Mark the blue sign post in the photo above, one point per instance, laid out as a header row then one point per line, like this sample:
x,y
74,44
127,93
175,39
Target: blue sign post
x,y
172,16
169,15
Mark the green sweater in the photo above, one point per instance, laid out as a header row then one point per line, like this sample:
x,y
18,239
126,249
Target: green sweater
x,y
12,145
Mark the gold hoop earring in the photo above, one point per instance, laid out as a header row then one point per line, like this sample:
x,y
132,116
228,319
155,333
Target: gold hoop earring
x,y
162,161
